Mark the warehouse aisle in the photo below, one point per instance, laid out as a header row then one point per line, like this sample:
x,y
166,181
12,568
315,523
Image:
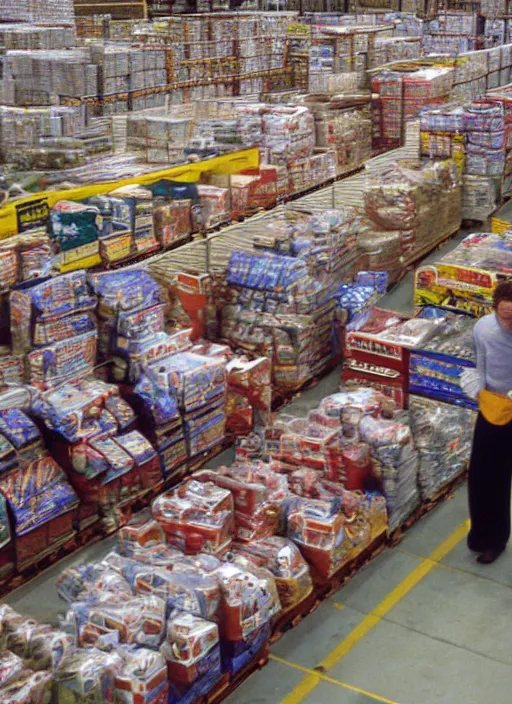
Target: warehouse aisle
x,y
421,624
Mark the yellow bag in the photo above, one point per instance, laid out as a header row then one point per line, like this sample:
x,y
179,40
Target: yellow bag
x,y
496,409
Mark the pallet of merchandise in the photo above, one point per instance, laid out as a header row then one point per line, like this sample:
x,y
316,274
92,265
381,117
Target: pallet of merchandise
x,y
67,545
443,494
292,617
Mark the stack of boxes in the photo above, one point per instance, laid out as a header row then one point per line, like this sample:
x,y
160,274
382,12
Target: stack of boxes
x,y
41,501
53,326
274,308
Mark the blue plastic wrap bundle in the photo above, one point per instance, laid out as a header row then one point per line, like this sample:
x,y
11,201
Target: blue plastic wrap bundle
x,y
354,299
378,280
264,272
125,290
435,368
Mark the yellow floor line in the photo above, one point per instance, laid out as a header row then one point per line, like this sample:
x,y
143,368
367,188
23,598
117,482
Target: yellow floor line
x,y
374,617
338,606
331,680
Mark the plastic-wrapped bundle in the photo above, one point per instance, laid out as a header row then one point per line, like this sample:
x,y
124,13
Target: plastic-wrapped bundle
x,y
11,668
75,232
479,197
249,601
22,433
39,645
318,528
484,123
160,556
483,161
139,324
264,272
56,298
258,495
282,557
407,196
124,290
101,456
443,436
382,250
425,86
145,458
484,116
193,592
144,354
11,369
104,622
351,406
105,476
172,221
249,396
44,647
24,257
352,298
89,581
43,504
299,441
436,365
396,462
143,677
192,652
62,361
391,199
204,428
136,212
196,517
375,279
140,534
87,676
163,424
33,687
300,345
195,380
214,205
84,409
125,317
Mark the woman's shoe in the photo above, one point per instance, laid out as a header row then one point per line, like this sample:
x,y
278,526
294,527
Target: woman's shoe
x,y
490,556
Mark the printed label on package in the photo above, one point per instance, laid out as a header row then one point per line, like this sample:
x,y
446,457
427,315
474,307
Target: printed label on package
x,y
358,343
33,214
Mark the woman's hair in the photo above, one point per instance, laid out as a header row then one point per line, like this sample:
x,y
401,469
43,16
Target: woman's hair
x,y
502,292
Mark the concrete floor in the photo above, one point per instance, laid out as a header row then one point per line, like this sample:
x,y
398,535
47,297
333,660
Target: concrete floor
x,y
421,624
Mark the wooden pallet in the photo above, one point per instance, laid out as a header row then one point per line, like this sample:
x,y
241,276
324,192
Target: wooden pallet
x,y
227,686
352,567
280,399
292,617
43,561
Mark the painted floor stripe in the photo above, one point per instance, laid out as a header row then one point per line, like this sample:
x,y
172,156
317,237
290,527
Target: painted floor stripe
x,y
331,680
374,617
